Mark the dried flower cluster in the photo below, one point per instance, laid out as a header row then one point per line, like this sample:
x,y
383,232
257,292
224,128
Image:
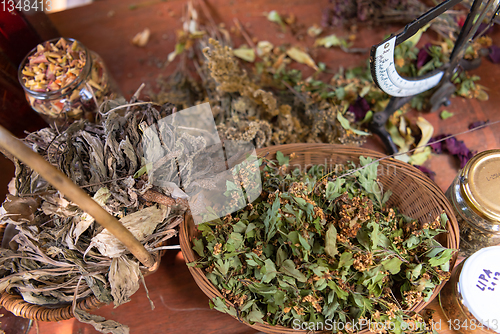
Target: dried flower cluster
x,y
248,108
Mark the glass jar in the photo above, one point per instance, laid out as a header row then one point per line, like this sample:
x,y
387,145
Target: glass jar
x,y
475,197
77,98
469,300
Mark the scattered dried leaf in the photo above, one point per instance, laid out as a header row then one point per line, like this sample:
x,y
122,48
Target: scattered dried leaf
x,y
141,38
301,57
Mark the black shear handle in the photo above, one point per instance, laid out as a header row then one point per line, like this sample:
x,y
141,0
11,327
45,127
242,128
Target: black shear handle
x,y
377,124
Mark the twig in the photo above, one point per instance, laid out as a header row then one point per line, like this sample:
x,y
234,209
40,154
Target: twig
x,y
205,10
354,50
105,182
245,34
294,91
166,248
154,196
40,193
129,105
73,305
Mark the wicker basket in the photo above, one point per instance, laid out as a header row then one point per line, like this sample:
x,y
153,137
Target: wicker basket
x,y
413,193
16,304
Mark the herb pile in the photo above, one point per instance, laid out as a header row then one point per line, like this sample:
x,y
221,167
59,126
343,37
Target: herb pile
x,y
324,247
257,93
53,252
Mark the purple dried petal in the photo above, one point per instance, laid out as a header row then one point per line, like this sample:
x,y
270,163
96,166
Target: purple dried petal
x,y
494,54
427,172
452,146
456,147
437,147
477,124
423,56
464,157
359,108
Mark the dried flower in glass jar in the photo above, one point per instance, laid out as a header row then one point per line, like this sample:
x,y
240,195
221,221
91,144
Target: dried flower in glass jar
x,y
475,197
65,81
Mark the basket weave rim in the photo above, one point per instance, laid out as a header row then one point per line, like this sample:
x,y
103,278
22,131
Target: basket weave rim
x,y
452,238
15,304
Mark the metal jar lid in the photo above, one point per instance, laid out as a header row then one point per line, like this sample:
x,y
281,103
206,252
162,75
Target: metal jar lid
x,y
479,286
480,185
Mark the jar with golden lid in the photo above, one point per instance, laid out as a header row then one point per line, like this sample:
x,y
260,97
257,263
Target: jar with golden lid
x,y
469,300
475,197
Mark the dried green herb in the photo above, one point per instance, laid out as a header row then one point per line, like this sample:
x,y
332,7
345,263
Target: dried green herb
x,y
315,246
445,114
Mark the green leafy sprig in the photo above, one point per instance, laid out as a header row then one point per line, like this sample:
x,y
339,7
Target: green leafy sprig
x,y
315,247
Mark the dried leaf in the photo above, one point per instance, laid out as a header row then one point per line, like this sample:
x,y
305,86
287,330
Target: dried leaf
x,y
481,94
264,48
420,158
288,268
346,125
314,30
141,38
393,265
245,53
124,279
57,205
301,57
100,323
101,196
403,143
413,40
427,131
445,114
38,299
171,56
273,16
329,41
141,224
331,241
21,207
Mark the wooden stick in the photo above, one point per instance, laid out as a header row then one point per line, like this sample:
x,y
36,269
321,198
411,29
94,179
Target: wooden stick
x,y
62,183
244,33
